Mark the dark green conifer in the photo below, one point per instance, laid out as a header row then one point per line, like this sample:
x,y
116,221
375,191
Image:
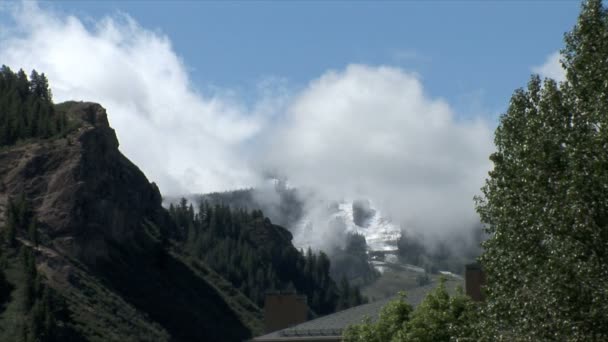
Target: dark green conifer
x,y
33,233
26,108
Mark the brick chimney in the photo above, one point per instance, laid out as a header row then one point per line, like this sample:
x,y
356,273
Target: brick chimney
x,y
283,310
474,279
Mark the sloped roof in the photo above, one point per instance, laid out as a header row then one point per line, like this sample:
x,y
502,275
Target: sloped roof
x,y
333,325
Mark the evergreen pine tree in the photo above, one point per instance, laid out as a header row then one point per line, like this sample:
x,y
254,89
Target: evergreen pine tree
x,y
5,286
11,227
31,278
26,108
33,232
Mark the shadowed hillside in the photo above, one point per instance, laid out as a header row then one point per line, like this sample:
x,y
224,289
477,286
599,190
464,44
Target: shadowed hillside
x,y
87,247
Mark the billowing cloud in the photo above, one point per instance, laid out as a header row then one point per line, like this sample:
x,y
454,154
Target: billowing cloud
x,y
373,132
552,68
359,132
182,139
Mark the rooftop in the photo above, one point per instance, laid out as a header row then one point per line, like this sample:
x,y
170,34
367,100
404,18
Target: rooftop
x,y
331,326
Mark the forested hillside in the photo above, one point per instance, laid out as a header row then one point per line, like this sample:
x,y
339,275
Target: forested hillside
x,y
257,256
88,252
286,206
283,205
84,248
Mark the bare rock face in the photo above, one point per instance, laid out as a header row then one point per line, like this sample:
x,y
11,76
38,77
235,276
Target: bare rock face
x,y
84,192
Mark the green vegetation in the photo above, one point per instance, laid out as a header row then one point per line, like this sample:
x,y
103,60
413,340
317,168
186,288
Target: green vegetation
x,y
172,293
285,210
41,306
545,206
440,317
26,108
257,256
36,311
144,291
546,202
20,221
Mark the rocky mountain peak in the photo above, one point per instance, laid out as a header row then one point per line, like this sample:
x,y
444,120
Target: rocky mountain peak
x,y
84,192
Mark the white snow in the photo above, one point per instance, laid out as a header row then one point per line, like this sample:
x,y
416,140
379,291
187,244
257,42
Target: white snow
x,y
381,233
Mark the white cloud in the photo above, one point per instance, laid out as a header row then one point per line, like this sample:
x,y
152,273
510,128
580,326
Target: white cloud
x,y
552,68
371,131
362,131
182,139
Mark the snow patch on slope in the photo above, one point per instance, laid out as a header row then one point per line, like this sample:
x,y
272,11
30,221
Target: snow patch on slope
x,y
380,232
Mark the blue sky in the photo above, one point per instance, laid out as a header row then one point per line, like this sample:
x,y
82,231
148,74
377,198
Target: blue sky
x,y
472,53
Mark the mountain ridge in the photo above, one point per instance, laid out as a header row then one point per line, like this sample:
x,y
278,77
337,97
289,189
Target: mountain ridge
x,y
103,243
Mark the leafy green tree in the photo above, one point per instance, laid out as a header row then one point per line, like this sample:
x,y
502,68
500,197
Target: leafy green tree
x,y
545,203
389,326
440,317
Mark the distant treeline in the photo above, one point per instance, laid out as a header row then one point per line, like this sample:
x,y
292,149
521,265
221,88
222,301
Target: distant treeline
x,y
26,107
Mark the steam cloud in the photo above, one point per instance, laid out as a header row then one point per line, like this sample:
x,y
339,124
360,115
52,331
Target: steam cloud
x,y
372,132
364,131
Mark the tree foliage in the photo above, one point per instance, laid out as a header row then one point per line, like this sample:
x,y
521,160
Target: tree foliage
x,y
20,221
545,203
43,315
26,107
440,317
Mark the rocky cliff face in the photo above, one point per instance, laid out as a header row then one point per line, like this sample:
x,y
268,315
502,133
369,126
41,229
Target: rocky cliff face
x,y
84,192
103,249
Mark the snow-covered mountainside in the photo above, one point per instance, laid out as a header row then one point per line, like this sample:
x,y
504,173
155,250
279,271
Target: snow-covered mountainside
x,y
326,225
348,216
315,221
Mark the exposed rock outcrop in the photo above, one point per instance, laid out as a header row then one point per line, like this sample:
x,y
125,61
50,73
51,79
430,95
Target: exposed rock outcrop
x,y
84,192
